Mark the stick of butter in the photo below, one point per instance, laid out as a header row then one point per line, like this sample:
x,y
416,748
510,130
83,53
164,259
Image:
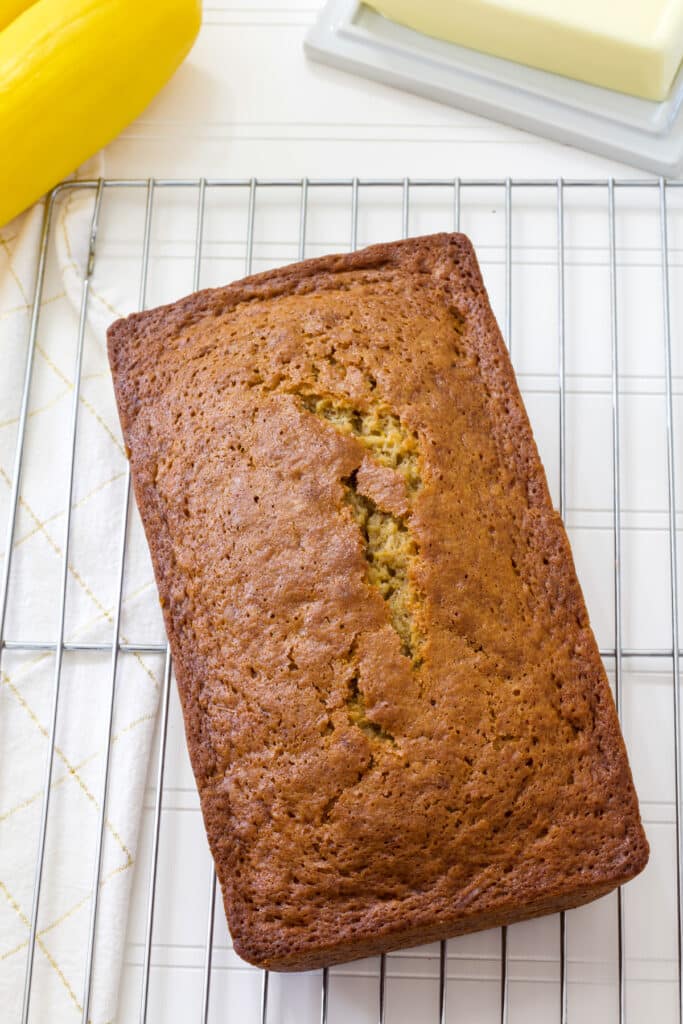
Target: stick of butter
x,y
634,46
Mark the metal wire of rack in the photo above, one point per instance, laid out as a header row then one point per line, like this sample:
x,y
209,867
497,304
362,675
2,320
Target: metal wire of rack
x,y
552,196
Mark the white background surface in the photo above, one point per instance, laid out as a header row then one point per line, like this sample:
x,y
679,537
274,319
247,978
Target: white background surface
x,y
247,103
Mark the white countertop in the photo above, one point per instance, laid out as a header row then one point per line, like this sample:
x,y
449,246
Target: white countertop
x,y
247,102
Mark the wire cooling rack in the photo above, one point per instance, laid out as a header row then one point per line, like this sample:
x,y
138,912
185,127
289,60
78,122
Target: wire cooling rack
x,y
586,278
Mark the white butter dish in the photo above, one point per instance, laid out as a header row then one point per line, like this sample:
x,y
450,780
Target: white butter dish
x,y
648,134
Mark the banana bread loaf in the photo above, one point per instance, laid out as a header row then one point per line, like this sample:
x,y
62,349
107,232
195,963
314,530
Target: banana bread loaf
x,y
397,716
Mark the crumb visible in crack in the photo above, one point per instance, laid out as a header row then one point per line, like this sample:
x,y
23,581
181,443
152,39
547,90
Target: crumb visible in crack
x,y
389,552
389,547
377,429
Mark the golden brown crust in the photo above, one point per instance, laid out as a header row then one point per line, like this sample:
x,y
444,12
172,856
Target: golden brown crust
x,y
395,708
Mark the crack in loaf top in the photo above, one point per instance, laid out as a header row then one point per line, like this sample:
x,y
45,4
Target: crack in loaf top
x,y
394,704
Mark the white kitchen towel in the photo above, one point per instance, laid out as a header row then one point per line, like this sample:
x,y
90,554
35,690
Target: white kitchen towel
x,y
28,677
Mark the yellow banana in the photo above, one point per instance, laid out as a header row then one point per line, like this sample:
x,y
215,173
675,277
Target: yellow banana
x,y
73,74
11,9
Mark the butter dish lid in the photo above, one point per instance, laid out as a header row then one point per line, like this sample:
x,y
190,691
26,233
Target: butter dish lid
x,y
645,133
